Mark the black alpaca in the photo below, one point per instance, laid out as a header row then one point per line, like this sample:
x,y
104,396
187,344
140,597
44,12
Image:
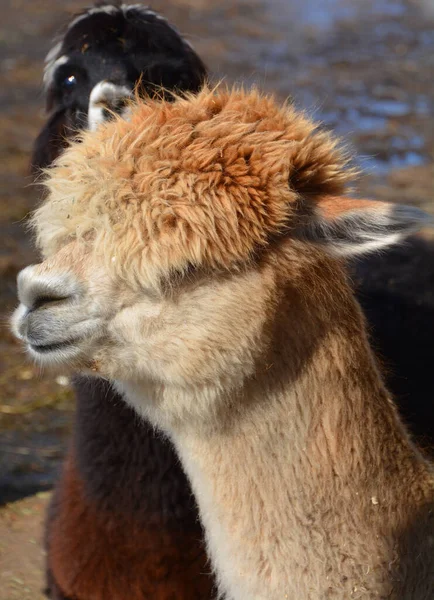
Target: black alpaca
x,y
103,54
122,524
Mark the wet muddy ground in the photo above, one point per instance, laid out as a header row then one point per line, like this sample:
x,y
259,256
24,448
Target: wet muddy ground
x,y
364,69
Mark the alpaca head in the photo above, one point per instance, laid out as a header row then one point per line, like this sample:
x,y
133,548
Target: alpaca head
x,y
167,239
107,49
102,55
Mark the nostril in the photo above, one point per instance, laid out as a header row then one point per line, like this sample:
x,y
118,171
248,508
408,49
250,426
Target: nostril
x,y
38,290
42,301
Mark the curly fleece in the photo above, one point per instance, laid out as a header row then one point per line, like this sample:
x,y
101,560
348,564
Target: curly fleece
x,y
200,182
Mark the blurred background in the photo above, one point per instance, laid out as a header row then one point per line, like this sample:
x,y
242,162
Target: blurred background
x,y
363,68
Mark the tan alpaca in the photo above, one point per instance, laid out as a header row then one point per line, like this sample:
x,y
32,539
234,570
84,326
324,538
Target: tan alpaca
x,y
192,256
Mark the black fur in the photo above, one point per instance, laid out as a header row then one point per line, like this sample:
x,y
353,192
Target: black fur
x,y
125,47
124,462
396,291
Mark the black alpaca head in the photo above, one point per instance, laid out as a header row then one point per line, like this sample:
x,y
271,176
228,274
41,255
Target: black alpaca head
x,y
103,54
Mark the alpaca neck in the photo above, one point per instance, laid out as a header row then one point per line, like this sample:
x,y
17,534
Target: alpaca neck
x,y
302,491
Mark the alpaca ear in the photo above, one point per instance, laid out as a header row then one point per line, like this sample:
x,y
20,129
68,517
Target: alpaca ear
x,y
348,226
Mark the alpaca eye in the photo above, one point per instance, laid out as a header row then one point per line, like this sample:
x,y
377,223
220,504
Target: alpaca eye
x,y
70,81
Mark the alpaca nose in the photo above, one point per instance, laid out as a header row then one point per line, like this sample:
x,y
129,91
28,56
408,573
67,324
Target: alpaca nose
x,y
106,96
37,290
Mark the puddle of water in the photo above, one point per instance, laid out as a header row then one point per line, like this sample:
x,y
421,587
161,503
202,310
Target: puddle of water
x,y
386,108
378,166
324,15
366,123
422,106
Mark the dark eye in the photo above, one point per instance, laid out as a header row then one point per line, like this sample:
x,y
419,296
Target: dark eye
x,y
70,81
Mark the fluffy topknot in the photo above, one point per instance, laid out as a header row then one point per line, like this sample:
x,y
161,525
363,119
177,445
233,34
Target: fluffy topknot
x,y
206,180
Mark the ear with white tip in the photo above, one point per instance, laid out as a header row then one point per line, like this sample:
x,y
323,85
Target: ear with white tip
x,y
349,226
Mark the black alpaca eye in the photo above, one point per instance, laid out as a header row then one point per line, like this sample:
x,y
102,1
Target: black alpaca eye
x,y
70,81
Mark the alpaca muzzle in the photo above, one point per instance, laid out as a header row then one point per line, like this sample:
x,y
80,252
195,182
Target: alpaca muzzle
x,y
50,319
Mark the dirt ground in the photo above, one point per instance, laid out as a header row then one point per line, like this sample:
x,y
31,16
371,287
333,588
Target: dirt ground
x,y
21,553
364,69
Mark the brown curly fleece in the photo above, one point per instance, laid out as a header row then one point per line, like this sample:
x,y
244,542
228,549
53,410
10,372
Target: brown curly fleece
x,y
176,187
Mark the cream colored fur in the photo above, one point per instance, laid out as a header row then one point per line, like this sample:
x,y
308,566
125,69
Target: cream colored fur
x,y
254,360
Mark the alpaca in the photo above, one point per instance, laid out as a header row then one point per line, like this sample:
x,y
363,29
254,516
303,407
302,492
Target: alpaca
x,y
193,256
81,87
102,55
122,521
